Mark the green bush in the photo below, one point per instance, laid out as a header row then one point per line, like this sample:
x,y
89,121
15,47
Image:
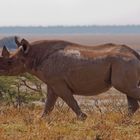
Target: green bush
x,y
17,90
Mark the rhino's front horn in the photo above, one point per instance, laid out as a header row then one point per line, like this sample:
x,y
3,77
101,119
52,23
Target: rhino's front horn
x,y
5,52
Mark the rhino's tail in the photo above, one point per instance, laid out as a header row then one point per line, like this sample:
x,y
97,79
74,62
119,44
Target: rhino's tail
x,y
132,51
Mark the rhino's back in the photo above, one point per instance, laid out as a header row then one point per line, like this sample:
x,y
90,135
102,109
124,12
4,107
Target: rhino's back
x,y
87,70
99,51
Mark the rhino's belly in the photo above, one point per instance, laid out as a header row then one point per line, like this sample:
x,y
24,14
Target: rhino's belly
x,y
89,80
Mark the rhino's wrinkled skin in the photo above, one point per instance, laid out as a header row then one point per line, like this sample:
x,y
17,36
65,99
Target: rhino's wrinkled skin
x,y
72,69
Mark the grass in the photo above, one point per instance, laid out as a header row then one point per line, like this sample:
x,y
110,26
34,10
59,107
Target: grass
x,y
25,124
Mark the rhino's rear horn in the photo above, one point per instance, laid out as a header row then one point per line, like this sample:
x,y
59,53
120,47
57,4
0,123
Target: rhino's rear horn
x,y
18,41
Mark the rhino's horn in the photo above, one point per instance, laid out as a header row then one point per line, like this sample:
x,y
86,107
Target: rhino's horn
x,y
5,52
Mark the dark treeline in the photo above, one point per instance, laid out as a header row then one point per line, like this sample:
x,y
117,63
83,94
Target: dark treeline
x,y
129,29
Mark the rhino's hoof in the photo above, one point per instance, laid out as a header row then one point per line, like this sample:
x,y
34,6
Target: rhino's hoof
x,y
82,117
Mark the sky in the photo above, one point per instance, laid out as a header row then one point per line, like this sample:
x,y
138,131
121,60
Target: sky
x,y
69,12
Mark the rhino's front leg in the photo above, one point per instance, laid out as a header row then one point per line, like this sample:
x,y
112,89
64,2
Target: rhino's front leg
x,y
50,102
63,91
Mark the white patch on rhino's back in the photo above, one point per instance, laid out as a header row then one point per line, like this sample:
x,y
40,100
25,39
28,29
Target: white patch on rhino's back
x,y
75,53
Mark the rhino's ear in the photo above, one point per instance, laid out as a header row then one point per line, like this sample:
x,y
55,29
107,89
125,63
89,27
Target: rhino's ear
x,y
25,46
5,52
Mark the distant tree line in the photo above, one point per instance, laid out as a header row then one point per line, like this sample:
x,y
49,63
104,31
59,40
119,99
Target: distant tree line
x,y
114,29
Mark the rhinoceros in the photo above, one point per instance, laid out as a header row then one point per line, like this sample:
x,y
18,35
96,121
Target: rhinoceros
x,y
72,69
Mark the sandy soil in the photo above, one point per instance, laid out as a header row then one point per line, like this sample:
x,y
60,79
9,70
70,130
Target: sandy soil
x,y
132,40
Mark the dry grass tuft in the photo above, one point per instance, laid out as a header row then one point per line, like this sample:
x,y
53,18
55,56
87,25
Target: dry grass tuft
x,y
24,124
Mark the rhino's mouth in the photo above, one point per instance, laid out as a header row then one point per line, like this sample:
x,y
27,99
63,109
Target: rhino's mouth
x,y
2,70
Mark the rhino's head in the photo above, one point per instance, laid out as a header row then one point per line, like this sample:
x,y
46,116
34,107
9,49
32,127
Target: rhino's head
x,y
14,63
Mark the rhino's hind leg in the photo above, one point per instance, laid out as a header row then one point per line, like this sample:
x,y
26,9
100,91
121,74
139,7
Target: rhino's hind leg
x,y
50,102
63,91
125,78
132,105
134,97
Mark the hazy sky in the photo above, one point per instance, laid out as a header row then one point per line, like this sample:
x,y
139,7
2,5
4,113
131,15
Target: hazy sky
x,y
69,12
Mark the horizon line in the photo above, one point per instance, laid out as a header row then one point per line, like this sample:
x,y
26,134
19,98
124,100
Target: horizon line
x,y
12,26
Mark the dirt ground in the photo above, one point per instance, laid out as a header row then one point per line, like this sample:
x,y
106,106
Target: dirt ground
x,y
132,40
